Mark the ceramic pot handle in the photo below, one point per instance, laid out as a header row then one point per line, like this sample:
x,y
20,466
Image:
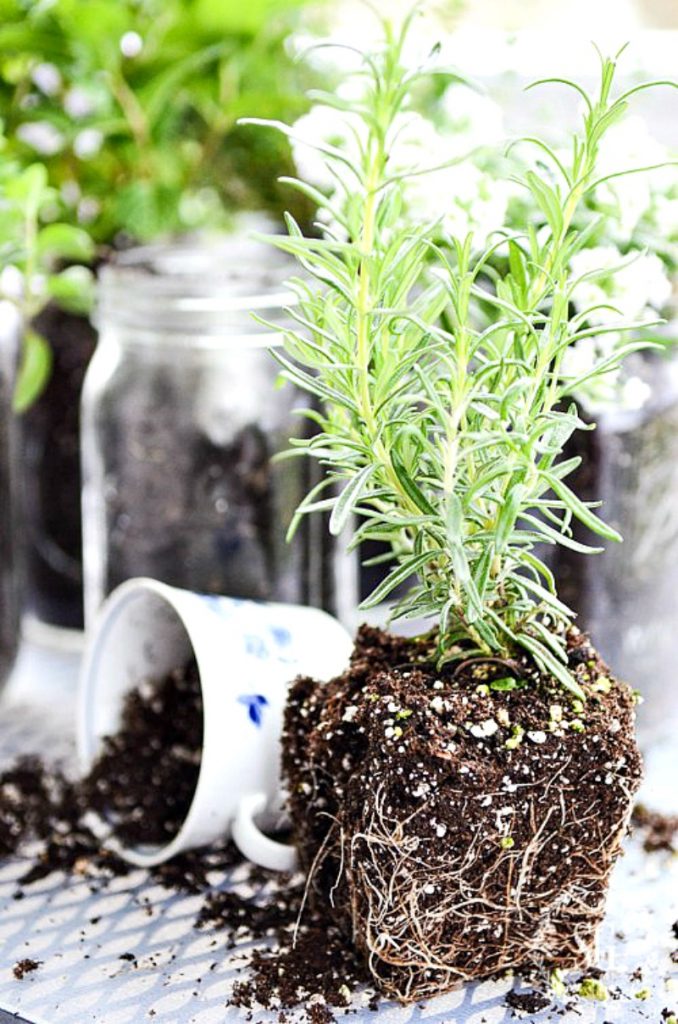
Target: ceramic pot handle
x,y
251,841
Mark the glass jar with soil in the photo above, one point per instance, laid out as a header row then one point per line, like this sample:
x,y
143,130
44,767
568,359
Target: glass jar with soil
x,y
9,563
181,420
627,596
50,446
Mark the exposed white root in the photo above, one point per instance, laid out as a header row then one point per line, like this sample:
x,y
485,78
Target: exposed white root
x,y
430,917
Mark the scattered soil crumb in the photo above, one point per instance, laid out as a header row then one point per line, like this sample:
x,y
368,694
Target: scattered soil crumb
x,y
319,1014
527,1002
40,805
24,967
659,831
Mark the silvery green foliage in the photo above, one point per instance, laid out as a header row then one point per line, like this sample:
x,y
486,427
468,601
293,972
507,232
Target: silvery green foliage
x,y
441,434
637,238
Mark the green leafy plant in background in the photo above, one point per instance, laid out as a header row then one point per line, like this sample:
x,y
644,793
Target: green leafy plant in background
x,y
131,105
444,436
34,252
120,122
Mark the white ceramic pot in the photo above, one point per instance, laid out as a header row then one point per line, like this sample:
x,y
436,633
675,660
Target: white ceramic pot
x,y
247,654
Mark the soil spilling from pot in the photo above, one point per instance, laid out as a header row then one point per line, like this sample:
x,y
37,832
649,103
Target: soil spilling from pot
x,y
145,777
52,479
143,782
302,962
462,823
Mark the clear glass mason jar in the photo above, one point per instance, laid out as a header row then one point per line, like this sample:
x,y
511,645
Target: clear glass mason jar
x,y
627,597
9,540
181,418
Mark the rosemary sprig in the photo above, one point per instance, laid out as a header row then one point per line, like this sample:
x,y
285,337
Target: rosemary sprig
x,y
440,435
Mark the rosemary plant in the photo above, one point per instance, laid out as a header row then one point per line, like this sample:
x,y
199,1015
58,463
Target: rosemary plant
x,y
440,435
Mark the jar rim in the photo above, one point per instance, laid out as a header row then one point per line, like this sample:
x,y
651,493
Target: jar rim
x,y
189,288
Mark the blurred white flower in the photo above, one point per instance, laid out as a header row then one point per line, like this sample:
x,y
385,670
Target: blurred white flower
x,y
70,192
326,126
331,60
464,198
78,102
416,144
413,144
474,119
87,143
424,44
131,44
10,321
611,389
364,33
583,357
11,283
38,285
579,359
638,290
47,78
665,215
41,136
88,209
634,393
626,145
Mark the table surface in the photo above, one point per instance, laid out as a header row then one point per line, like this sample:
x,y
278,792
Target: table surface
x,y
82,980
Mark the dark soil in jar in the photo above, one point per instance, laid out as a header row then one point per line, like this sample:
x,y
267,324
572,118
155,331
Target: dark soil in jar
x,y
200,518
455,829
9,586
204,515
52,476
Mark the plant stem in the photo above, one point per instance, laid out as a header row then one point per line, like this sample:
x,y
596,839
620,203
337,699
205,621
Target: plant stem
x,y
364,321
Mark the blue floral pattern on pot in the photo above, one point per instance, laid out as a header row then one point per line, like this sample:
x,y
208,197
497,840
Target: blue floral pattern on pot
x,y
221,606
281,636
255,704
275,642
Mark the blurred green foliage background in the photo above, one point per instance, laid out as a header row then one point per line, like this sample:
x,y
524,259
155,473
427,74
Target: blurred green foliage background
x,y
132,107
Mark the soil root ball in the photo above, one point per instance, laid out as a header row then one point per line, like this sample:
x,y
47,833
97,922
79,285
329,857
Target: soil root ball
x,y
463,824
